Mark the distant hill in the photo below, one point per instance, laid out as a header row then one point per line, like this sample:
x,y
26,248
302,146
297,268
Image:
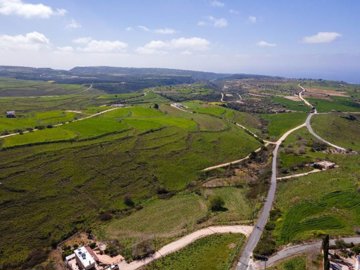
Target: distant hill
x,y
119,79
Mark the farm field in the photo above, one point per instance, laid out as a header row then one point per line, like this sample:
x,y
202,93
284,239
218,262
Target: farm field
x,y
213,252
97,162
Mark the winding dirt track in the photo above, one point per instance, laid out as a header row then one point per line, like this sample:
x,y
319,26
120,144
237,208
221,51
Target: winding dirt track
x,y
184,241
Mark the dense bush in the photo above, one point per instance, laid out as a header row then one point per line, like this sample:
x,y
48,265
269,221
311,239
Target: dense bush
x,y
128,201
217,204
105,216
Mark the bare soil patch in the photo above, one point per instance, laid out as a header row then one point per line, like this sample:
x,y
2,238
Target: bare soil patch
x,y
326,92
293,98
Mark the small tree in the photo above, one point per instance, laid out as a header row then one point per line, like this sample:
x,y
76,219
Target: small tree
x,y
156,106
128,201
217,204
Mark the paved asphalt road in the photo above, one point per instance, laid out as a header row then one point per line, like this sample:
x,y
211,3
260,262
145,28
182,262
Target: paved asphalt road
x,y
245,262
254,238
300,249
308,125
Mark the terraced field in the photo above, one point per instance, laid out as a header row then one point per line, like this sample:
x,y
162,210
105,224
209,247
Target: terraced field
x,y
83,170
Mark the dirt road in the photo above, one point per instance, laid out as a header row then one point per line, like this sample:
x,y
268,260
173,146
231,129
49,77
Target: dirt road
x,y
184,241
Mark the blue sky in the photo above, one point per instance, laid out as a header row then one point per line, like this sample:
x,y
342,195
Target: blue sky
x,y
297,38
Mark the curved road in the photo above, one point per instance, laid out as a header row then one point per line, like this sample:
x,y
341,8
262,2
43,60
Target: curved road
x,y
308,122
300,249
184,241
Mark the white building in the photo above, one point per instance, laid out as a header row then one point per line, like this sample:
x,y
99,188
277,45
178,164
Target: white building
x,y
84,259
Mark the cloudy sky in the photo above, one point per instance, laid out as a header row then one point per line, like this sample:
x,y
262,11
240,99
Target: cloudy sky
x,y
297,38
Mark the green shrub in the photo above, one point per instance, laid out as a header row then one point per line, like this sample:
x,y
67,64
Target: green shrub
x,y
217,204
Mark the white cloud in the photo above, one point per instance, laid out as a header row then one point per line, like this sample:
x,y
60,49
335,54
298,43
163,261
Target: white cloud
x,y
322,37
252,19
265,44
186,45
102,46
144,28
29,41
27,10
216,22
73,24
217,3
165,31
233,11
65,49
82,40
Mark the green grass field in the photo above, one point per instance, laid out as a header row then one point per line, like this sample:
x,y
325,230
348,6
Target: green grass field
x,y
215,252
278,124
337,129
31,120
335,104
238,206
296,151
159,218
323,203
290,104
296,263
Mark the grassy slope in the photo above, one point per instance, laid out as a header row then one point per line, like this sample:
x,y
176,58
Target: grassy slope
x,y
215,252
338,130
72,182
290,104
326,202
22,88
278,124
291,155
335,104
159,218
35,119
296,263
